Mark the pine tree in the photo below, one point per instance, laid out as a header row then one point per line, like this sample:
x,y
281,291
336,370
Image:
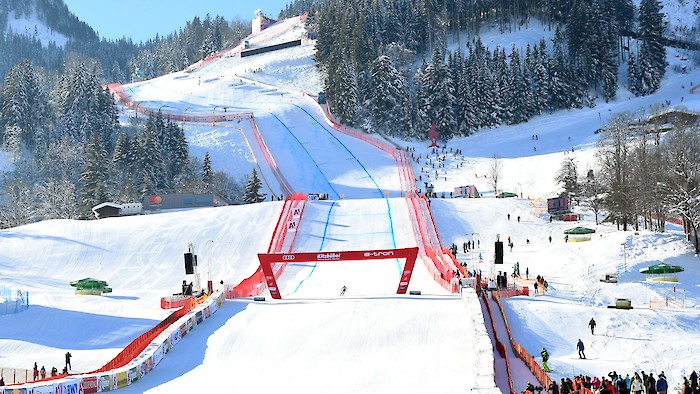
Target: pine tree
x,y
24,107
94,176
652,54
633,80
151,162
388,97
345,102
518,94
208,174
252,193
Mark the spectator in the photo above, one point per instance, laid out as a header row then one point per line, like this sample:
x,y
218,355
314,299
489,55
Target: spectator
x,y
591,324
637,386
36,372
553,388
661,384
42,372
68,356
580,348
650,384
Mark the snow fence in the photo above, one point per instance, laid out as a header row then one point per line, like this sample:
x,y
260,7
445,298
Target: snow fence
x,y
133,370
485,374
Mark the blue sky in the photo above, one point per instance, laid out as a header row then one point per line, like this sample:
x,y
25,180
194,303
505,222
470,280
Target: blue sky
x,y
143,19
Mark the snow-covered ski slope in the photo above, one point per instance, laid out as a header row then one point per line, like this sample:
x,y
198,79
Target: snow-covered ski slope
x,y
369,340
316,159
312,346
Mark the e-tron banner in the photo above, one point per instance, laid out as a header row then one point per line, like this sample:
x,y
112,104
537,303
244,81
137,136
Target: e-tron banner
x,y
267,259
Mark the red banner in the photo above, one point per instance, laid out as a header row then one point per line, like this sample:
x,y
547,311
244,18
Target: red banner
x,y
267,259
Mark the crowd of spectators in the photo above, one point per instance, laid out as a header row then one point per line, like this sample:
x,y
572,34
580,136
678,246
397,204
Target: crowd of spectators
x,y
614,383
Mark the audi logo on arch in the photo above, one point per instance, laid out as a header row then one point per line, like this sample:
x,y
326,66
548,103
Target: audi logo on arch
x,y
386,253
288,257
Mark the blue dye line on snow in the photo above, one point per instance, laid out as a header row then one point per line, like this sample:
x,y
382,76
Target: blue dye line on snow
x,y
337,195
323,240
386,200
388,206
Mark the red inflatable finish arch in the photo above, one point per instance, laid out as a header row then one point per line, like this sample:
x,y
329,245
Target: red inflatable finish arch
x,y
267,259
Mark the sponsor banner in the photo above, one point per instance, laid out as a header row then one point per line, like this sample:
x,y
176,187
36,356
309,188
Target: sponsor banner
x,y
26,391
296,212
174,337
328,256
142,368
72,387
158,355
292,225
122,380
200,317
133,375
89,385
190,323
105,383
183,330
207,312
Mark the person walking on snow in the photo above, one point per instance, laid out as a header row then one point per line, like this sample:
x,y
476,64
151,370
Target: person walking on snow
x,y
580,348
343,290
591,324
545,358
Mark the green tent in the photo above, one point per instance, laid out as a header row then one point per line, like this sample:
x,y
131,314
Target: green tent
x,y
662,269
579,231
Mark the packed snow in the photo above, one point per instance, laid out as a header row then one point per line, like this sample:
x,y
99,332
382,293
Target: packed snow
x,y
369,340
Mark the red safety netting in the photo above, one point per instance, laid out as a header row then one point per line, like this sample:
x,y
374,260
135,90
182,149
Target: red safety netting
x,y
255,284
240,45
139,344
443,263
286,188
500,347
520,351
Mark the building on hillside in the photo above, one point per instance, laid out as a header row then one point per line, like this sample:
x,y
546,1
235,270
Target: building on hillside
x,y
181,201
156,203
111,209
468,191
106,210
558,207
261,22
673,118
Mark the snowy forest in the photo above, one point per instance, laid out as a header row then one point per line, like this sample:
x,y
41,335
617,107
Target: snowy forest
x,y
120,60
71,153
387,67
60,126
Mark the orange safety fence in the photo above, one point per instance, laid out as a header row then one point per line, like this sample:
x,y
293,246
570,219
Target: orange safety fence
x,y
255,284
520,351
500,347
285,186
139,344
426,230
240,46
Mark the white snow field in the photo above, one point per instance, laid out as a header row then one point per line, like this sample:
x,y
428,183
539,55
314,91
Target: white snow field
x,y
370,340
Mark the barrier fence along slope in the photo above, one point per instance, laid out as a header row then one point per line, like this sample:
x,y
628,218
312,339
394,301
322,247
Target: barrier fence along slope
x,y
255,284
520,351
428,237
500,347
